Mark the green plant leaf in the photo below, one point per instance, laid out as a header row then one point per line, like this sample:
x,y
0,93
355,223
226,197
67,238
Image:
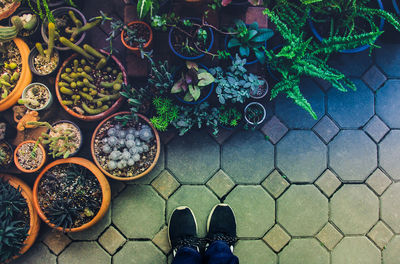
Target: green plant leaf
x,y
143,7
205,78
263,37
195,92
244,51
260,55
188,97
233,42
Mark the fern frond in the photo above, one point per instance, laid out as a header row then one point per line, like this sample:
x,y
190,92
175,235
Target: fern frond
x,y
389,17
299,99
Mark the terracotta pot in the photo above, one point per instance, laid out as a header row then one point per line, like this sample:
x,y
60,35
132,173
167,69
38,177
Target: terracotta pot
x,y
104,185
24,79
146,46
10,10
136,176
34,222
16,158
117,104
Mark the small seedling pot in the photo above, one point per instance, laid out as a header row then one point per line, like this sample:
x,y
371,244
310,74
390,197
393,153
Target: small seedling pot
x,y
246,110
19,165
23,12
46,106
266,87
80,134
31,60
146,46
10,152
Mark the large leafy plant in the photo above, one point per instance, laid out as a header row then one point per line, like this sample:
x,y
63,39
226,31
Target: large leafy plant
x,y
249,39
147,7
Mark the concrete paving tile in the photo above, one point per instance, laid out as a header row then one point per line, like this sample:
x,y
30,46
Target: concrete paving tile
x,y
220,184
56,240
376,128
147,179
329,236
247,157
374,78
93,232
352,155
326,129
356,250
254,252
37,254
391,253
277,238
90,252
275,184
303,204
193,158
274,129
306,250
388,58
390,207
116,187
165,184
222,136
139,252
351,109
387,99
301,156
389,154
351,64
378,181
132,210
199,198
161,240
254,210
111,240
295,117
380,234
354,209
328,183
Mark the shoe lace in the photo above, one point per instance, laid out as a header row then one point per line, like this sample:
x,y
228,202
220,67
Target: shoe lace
x,y
230,240
193,242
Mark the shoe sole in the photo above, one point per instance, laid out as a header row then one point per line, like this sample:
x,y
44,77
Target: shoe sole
x,y
182,208
212,211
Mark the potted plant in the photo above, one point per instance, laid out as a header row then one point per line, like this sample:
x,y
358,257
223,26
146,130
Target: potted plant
x,y
6,130
30,21
78,207
63,139
6,154
254,114
8,7
15,70
36,97
125,148
258,87
19,222
248,42
193,79
88,84
166,112
29,156
229,118
54,3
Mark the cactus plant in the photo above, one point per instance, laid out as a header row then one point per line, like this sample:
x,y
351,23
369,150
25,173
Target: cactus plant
x,y
10,33
10,69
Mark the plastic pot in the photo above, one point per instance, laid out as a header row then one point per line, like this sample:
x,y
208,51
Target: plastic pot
x,y
153,164
247,109
31,60
104,185
34,222
24,79
117,104
80,133
355,50
19,167
59,12
263,94
146,46
195,57
46,106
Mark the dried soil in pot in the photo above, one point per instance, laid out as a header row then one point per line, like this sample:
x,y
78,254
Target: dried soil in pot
x,y
44,66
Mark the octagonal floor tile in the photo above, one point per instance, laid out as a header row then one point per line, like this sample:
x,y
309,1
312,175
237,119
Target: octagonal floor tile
x,y
38,254
351,64
390,206
254,252
387,99
303,204
351,109
247,157
391,253
304,250
139,252
356,250
138,212
388,59
295,117
90,252
254,210
301,156
389,154
199,198
354,209
193,158
353,155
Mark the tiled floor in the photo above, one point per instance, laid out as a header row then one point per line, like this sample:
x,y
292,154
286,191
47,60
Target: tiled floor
x,y
304,191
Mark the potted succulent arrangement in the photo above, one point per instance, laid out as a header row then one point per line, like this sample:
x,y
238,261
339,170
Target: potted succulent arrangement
x,y
71,194
30,21
125,148
88,83
193,79
36,97
19,222
8,7
229,118
6,154
29,156
254,114
63,139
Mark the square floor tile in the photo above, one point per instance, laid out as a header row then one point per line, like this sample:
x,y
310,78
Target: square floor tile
x,y
328,183
380,234
277,238
275,184
326,129
274,129
376,128
374,78
378,181
329,236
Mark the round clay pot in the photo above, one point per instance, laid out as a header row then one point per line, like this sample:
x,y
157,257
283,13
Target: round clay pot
x,y
34,222
104,185
24,79
32,55
10,10
146,46
157,137
117,104
16,158
46,106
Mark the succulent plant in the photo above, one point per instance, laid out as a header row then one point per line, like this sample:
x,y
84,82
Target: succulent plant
x,y
62,213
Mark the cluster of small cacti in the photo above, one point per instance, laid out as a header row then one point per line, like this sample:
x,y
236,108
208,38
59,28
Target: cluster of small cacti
x,y
86,86
11,32
49,51
124,146
8,79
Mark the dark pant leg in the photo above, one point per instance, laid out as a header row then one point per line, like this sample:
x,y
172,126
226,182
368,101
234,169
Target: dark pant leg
x,y
187,255
219,252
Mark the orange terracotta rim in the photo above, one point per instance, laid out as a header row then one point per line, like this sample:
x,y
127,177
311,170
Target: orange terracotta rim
x,y
145,45
16,158
117,104
34,222
104,185
157,136
10,10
